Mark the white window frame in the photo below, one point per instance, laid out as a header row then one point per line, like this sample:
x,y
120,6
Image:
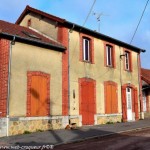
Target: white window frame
x,y
86,52
127,60
109,55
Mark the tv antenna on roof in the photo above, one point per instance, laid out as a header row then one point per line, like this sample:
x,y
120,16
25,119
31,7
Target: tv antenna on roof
x,y
98,18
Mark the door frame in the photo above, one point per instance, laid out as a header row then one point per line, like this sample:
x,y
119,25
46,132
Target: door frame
x,y
135,101
129,118
80,80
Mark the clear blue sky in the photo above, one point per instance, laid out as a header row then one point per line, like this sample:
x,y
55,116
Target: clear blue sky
x,y
119,19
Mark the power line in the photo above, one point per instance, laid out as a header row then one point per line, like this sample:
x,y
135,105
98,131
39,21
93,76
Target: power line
x,y
139,22
89,13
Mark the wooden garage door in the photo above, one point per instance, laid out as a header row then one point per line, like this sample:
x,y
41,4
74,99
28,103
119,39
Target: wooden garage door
x,y
87,108
38,103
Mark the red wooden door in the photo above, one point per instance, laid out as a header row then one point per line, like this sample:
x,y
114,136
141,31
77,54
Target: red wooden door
x,y
38,96
87,102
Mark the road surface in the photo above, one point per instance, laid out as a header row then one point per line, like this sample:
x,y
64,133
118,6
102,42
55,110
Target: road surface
x,y
133,140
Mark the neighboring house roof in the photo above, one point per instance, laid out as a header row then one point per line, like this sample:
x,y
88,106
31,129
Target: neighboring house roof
x,y
145,75
26,35
78,28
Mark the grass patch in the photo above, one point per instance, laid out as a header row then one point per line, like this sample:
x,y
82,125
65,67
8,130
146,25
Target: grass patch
x,y
26,132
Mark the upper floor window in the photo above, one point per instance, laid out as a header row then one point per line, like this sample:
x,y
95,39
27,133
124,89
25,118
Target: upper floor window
x,y
109,55
86,48
127,61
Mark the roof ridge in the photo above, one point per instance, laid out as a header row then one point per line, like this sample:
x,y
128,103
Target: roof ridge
x,y
29,8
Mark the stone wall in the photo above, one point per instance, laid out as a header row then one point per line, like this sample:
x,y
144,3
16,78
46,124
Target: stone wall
x,y
3,127
33,124
106,119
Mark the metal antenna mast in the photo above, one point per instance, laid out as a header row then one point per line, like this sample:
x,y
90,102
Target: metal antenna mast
x,y
98,18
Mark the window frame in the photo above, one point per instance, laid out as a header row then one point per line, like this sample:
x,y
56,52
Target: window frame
x,y
127,60
112,56
82,57
109,55
86,49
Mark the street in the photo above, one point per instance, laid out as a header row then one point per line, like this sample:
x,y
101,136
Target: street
x,y
133,140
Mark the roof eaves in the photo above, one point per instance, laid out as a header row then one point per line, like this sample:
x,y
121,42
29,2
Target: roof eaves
x,y
32,42
102,36
145,79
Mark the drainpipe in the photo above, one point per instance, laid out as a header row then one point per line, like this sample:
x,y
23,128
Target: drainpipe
x,y
140,86
8,90
68,76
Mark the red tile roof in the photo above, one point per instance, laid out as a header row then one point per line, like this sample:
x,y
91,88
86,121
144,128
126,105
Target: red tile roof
x,y
145,74
26,34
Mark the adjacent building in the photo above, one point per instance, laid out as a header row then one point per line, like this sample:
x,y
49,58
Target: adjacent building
x,y
61,73
30,73
145,76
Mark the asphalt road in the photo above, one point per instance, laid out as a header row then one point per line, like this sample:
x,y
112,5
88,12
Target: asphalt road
x,y
133,140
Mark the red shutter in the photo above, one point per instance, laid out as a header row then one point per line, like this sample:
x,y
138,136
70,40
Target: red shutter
x,y
114,99
124,105
108,99
114,57
130,61
136,104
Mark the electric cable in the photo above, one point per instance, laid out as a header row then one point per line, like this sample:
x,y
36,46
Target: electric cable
x,y
139,22
89,13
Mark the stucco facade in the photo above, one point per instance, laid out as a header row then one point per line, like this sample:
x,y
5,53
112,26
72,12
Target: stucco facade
x,y
32,58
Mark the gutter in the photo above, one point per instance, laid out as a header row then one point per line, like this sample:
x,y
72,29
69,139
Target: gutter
x,y
8,88
102,36
32,42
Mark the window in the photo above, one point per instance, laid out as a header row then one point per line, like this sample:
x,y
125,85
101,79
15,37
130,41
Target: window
x,y
86,49
127,61
109,55
29,22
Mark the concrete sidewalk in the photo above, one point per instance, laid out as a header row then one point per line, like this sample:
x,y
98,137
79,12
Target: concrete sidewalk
x,y
57,137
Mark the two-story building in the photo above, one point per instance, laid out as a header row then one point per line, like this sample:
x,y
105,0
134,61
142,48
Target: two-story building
x,y
97,78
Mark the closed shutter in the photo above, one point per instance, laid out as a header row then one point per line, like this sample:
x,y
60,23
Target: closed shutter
x,y
108,99
124,105
114,99
136,104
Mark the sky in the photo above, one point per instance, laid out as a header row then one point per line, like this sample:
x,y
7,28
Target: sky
x,y
118,18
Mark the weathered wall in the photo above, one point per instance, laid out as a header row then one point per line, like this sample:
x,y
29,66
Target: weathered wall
x,y
43,25
30,58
